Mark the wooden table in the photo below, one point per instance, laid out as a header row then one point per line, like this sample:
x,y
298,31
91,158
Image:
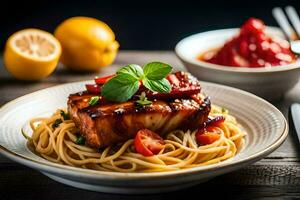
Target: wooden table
x,y
278,175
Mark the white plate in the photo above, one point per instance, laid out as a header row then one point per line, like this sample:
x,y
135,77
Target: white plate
x,y
265,125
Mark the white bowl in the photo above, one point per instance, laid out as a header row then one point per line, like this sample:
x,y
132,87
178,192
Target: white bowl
x,y
265,126
269,83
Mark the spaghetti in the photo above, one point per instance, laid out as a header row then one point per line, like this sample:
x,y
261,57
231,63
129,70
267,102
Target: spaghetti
x,y
57,143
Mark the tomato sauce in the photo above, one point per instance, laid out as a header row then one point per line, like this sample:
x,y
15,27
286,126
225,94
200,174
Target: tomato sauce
x,y
251,48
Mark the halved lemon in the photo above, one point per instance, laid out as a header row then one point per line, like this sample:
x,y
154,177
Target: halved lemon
x,y
31,54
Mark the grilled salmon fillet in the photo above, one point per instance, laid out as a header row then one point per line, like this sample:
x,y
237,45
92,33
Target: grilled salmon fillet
x,y
108,122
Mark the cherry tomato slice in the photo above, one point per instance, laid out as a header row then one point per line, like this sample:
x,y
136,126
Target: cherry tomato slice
x,y
207,138
204,137
102,80
93,88
148,143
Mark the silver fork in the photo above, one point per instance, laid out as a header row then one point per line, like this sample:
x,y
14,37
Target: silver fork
x,y
290,30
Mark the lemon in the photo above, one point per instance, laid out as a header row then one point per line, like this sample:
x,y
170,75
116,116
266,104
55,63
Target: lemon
x,y
31,54
87,43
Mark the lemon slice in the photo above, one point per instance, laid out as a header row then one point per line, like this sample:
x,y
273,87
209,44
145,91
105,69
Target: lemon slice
x,y
31,54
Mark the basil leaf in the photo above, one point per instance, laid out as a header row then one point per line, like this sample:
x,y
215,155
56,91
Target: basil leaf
x,y
133,70
161,86
120,88
94,100
156,70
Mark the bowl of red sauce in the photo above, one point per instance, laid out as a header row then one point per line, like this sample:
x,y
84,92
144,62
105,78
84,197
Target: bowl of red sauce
x,y
253,57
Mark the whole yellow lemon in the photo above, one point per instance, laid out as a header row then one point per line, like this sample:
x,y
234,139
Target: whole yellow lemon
x,y
87,43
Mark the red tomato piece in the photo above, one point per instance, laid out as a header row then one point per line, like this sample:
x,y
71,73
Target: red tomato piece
x,y
148,143
253,25
204,137
102,80
173,80
207,138
93,88
212,122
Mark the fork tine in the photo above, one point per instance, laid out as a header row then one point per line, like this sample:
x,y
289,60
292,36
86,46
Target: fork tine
x,y
283,22
294,18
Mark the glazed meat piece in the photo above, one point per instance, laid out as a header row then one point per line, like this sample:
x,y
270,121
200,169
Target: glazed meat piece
x,y
108,122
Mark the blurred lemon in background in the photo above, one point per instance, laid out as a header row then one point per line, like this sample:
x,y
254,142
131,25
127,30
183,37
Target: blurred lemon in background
x,y
31,54
87,43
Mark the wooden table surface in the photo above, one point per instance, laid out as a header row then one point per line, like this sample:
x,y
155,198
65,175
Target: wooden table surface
x,y
275,177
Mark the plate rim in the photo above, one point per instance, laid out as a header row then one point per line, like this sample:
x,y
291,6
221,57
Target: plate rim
x,y
65,170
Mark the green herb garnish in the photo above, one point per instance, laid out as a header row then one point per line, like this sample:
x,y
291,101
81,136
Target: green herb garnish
x,y
126,82
65,115
94,100
143,100
56,123
80,140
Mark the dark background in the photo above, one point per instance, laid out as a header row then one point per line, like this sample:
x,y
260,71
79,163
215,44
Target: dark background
x,y
139,25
